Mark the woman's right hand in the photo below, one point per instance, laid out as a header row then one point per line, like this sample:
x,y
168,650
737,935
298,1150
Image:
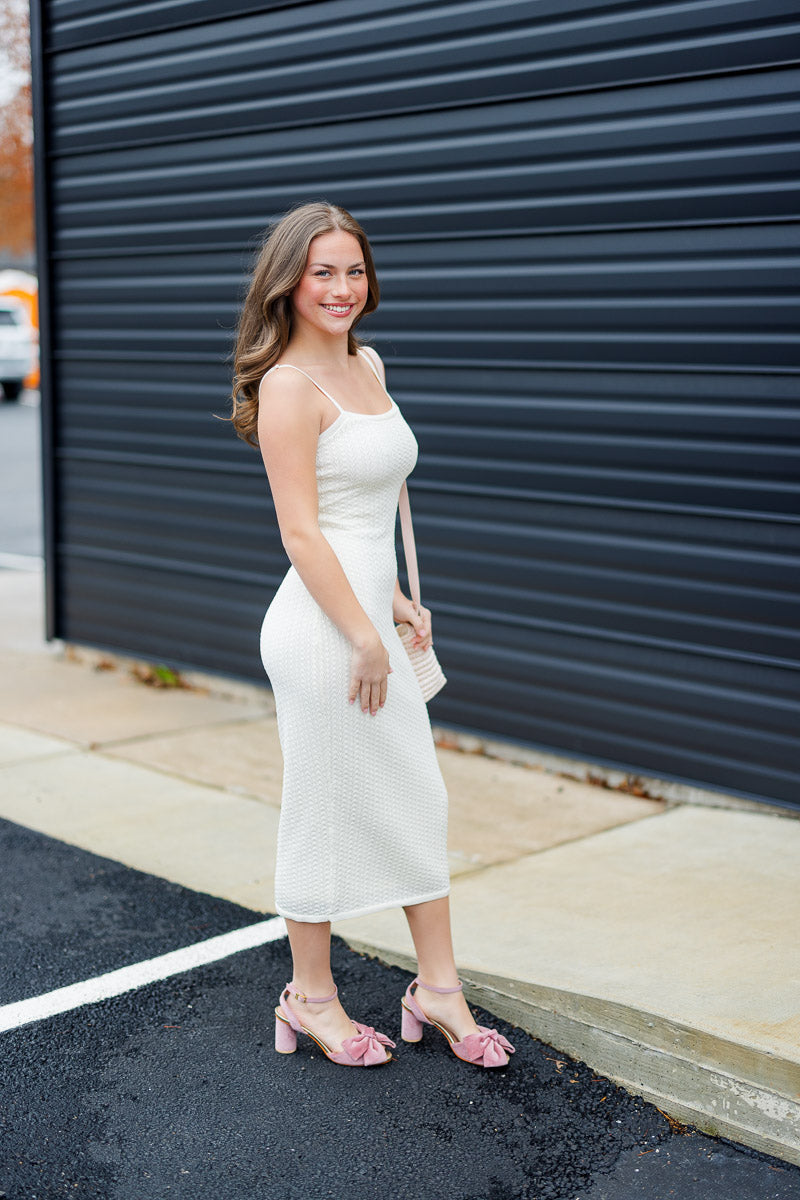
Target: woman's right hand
x,y
369,674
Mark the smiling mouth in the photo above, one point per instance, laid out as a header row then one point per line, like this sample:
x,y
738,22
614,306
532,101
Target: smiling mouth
x,y
338,308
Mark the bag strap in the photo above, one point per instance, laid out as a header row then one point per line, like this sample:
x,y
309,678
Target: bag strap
x,y
409,545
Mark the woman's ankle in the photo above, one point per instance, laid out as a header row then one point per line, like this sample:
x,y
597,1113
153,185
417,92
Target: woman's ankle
x,y
437,978
321,989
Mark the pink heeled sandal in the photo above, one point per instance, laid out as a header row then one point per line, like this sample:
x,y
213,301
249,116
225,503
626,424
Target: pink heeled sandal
x,y
366,1048
486,1048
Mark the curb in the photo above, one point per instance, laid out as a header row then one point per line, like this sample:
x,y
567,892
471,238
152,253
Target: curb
x,y
722,1088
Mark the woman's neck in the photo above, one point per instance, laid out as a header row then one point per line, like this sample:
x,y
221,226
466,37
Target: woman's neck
x,y
309,347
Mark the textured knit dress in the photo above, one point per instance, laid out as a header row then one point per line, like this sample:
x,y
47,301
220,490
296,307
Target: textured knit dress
x,y
363,823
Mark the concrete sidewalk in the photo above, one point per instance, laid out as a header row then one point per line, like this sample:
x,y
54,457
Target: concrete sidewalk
x,y
655,941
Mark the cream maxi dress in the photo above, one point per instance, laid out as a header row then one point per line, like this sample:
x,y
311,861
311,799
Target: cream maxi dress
x,y
363,823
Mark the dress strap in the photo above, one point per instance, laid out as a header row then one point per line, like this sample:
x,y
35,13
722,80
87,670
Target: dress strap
x,y
319,386
367,353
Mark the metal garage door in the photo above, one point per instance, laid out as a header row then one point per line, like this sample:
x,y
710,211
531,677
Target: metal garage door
x,y
583,216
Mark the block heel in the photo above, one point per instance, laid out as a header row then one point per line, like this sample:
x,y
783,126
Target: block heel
x,y
410,1026
486,1048
285,1036
366,1048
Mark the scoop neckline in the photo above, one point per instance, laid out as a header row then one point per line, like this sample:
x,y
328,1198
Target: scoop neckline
x,y
346,412
349,412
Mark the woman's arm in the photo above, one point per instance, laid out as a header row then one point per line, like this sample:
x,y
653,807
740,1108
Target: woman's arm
x,y
288,429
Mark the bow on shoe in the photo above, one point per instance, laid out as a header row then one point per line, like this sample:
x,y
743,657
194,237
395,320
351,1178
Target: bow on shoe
x,y
367,1044
487,1047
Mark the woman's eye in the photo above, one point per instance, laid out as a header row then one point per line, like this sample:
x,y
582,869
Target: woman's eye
x,y
357,271
320,274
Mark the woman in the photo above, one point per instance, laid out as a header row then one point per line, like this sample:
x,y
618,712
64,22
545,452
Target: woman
x,y
363,822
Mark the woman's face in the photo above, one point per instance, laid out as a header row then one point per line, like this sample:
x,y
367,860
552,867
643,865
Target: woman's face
x,y
334,287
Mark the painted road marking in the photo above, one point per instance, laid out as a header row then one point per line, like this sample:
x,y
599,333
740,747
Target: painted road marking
x,y
125,979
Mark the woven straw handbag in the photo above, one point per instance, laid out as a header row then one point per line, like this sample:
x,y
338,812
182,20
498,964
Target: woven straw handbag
x,y
425,663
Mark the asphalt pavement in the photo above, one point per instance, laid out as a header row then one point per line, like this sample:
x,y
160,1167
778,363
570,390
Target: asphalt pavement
x,y
174,1090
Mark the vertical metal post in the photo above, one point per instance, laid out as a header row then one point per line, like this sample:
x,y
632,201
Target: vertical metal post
x,y
42,209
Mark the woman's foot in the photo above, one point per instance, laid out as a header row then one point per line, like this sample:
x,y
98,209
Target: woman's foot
x,y
451,1011
469,1041
328,1021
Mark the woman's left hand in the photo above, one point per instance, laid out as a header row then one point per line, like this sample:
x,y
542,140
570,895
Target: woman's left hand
x,y
404,610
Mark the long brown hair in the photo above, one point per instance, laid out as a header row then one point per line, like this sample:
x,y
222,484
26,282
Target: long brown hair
x,y
265,320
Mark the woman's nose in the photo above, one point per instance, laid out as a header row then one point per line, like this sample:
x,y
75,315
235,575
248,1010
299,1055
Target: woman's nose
x,y
341,286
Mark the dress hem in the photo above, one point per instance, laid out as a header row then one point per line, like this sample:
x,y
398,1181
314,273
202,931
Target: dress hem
x,y
363,912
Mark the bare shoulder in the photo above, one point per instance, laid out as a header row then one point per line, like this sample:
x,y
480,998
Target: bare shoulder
x,y
287,399
281,384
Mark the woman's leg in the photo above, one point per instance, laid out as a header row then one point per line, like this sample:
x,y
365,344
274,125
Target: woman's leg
x,y
430,928
311,974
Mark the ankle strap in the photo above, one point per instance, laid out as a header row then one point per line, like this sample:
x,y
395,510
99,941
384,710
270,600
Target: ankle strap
x,y
430,988
304,999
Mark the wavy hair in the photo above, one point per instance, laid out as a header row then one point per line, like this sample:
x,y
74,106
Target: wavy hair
x,y
265,320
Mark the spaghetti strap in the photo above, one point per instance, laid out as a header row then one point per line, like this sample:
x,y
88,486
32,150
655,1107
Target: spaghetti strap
x,y
367,352
319,386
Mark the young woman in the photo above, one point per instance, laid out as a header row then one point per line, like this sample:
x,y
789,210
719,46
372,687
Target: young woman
x,y
363,822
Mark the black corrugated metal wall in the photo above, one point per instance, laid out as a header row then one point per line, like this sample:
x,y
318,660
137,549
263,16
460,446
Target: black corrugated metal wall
x,y
583,218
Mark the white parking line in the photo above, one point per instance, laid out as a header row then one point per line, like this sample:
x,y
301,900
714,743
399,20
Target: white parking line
x,y
114,983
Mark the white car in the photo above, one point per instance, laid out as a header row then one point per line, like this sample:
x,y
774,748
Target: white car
x,y
16,346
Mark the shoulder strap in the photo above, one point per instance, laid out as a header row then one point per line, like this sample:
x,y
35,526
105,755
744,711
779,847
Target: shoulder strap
x,y
319,386
367,352
370,355
409,545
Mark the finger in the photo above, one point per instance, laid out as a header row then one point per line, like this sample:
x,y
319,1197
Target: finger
x,y
384,689
427,634
353,690
374,698
423,635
